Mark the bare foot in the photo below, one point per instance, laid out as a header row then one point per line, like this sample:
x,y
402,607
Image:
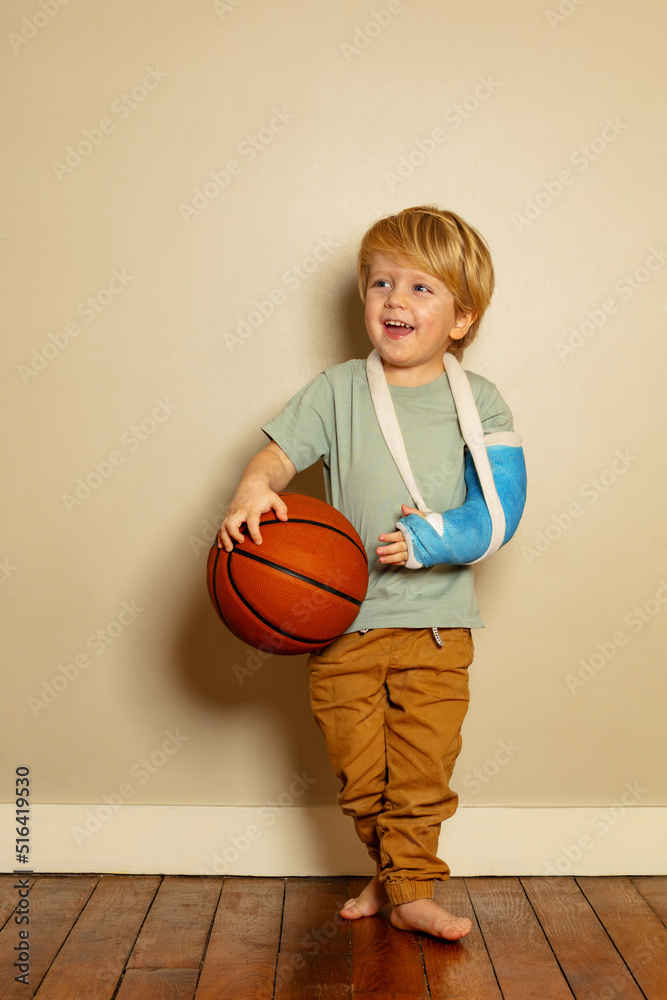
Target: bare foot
x,y
425,915
369,901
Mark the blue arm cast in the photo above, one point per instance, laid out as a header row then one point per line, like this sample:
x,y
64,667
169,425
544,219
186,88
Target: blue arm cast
x,y
463,535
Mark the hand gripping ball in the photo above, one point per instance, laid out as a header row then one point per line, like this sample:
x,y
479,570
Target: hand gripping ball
x,y
301,588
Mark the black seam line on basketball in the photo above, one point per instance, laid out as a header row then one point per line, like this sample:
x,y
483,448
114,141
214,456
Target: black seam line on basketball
x,y
319,524
299,576
317,643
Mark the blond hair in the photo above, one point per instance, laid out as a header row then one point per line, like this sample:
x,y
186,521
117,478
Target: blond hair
x,y
439,243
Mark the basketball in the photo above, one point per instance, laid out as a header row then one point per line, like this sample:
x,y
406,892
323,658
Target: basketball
x,y
301,588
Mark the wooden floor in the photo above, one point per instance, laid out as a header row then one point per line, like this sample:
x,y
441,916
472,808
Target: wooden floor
x,y
95,937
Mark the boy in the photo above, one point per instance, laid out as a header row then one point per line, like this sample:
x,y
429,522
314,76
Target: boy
x,y
390,695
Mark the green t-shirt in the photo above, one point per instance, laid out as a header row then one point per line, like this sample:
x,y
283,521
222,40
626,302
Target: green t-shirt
x,y
333,418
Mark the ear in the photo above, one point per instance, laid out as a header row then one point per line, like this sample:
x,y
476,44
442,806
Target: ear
x,y
462,325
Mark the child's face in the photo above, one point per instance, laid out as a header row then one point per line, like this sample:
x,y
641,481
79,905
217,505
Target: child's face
x,y
424,307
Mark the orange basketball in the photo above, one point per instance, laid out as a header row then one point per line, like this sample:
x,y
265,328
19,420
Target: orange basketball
x,y
301,588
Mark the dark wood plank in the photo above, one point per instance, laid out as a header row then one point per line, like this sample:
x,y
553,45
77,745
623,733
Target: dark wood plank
x,y
324,976
382,995
384,959
458,970
314,960
311,920
523,961
176,929
654,890
586,955
92,959
55,904
158,984
242,952
89,927
635,929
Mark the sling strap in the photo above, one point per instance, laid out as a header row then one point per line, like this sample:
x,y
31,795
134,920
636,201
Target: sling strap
x,y
472,433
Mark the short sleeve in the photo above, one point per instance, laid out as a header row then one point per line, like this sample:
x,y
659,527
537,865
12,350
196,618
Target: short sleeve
x,y
304,427
494,412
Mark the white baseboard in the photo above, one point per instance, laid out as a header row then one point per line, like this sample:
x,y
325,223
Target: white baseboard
x,y
319,840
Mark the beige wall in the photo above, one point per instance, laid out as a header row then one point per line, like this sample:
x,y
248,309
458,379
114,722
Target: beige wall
x,y
476,107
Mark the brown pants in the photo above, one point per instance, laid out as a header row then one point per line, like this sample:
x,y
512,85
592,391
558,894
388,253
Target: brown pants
x,y
390,704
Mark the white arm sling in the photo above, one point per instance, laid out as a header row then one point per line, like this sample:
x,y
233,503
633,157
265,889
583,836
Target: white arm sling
x,y
471,431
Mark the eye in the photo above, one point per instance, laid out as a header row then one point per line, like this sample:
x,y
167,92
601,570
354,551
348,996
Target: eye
x,y
380,282
421,287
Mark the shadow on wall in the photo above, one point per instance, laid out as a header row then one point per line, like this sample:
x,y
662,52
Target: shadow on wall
x,y
225,672
354,340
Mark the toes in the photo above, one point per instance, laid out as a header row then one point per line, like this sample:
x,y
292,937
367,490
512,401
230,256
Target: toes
x,y
457,930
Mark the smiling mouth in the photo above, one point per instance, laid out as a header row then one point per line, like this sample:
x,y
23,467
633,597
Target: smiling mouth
x,y
396,329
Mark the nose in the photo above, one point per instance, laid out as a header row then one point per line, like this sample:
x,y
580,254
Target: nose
x,y
395,297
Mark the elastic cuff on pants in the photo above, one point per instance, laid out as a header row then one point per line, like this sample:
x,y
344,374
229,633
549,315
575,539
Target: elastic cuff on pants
x,y
409,890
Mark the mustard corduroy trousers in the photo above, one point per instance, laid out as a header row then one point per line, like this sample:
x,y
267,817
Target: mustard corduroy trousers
x,y
390,703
